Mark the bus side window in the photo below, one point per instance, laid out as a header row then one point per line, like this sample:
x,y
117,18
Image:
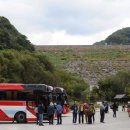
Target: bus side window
x,y
22,96
8,95
3,95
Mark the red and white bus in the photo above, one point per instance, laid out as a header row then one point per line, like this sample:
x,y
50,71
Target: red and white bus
x,y
17,101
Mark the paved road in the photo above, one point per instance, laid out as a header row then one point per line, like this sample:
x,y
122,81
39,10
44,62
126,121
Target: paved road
x,y
122,122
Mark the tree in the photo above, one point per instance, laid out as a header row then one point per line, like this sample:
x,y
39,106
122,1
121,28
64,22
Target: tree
x,y
116,84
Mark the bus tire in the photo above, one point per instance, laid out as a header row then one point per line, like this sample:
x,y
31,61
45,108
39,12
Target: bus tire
x,y
20,117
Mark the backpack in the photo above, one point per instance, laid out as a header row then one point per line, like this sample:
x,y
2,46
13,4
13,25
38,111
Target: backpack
x,y
59,109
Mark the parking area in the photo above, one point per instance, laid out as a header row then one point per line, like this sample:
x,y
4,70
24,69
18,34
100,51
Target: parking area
x,y
122,122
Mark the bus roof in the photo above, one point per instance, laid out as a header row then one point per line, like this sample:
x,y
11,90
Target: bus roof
x,y
15,86
59,90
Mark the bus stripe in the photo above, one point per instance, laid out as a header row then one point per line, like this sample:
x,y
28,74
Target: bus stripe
x,y
14,103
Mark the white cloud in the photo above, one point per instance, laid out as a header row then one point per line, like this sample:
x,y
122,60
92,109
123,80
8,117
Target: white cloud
x,y
66,21
62,38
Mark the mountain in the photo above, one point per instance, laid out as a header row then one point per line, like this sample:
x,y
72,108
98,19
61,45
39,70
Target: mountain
x,y
120,37
10,38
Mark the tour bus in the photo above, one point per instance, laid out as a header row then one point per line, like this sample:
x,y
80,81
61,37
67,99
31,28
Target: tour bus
x,y
60,96
18,101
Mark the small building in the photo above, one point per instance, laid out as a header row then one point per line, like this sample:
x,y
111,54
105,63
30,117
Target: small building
x,y
121,98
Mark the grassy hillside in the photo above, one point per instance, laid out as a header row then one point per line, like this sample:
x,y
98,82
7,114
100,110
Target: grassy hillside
x,y
89,62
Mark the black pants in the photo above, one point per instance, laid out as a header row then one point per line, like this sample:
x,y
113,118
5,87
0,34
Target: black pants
x,y
59,118
74,117
114,113
81,115
89,118
93,118
102,116
50,119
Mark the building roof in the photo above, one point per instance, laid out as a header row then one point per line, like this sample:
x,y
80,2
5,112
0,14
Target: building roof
x,y
120,96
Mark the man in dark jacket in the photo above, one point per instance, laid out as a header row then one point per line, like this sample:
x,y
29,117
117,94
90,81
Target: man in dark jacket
x,y
114,107
51,113
74,108
102,112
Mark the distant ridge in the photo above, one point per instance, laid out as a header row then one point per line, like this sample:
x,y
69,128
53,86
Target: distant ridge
x,y
120,37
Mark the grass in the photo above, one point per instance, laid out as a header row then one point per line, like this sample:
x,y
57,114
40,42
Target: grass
x,y
59,58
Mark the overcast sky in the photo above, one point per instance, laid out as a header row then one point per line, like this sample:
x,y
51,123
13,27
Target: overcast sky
x,y
66,22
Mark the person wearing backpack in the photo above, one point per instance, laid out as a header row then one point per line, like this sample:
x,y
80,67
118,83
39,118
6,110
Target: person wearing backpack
x,y
50,111
93,113
81,112
86,111
90,114
102,112
74,108
59,113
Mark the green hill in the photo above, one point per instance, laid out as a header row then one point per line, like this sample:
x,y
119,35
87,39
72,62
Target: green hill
x,y
89,62
10,38
120,37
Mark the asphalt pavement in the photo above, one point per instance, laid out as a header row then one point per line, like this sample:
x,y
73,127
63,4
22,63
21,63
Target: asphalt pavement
x,y
121,122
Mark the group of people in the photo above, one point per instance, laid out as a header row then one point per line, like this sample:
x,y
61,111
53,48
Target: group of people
x,y
104,109
88,111
81,111
51,110
85,113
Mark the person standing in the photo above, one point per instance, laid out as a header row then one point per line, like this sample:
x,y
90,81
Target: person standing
x,y
37,116
90,114
59,113
86,110
128,109
115,108
93,113
50,111
81,112
40,114
102,112
74,108
123,107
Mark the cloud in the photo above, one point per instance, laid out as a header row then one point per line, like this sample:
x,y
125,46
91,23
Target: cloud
x,y
66,21
62,38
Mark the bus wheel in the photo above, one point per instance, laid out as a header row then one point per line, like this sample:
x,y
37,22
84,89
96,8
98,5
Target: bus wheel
x,y
20,117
